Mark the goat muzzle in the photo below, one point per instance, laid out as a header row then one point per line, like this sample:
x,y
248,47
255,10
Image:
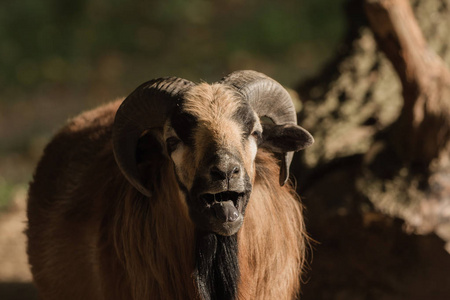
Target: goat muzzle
x,y
225,205
219,212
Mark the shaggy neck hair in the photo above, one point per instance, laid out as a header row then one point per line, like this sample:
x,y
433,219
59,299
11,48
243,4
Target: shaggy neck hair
x,y
154,239
217,266
160,255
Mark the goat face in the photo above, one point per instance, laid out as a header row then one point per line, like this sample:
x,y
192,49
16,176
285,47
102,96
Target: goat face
x,y
212,134
212,140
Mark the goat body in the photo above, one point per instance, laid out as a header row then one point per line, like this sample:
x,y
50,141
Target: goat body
x,y
92,235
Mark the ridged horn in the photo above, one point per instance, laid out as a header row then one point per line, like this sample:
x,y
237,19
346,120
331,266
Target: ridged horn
x,y
269,99
146,107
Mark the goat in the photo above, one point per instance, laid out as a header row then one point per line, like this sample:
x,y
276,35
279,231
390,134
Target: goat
x,y
146,199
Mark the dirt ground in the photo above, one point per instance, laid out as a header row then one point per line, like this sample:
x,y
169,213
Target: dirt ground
x,y
15,276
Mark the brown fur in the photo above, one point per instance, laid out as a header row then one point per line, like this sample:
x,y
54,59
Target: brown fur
x,y
272,239
93,236
213,106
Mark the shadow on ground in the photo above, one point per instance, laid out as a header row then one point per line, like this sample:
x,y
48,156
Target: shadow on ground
x,y
17,291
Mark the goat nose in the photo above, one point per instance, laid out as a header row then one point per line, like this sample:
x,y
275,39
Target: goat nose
x,y
224,172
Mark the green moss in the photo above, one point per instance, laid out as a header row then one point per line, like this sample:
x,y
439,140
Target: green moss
x,y
6,193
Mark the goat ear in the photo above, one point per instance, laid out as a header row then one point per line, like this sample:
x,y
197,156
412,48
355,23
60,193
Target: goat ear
x,y
285,138
150,157
149,148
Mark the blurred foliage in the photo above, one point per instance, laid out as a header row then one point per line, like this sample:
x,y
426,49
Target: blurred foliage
x,y
57,41
58,57
8,191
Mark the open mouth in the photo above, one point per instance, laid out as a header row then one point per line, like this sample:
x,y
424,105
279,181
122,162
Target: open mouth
x,y
226,205
211,199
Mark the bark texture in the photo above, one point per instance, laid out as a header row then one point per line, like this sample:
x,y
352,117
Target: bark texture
x,y
377,183
423,128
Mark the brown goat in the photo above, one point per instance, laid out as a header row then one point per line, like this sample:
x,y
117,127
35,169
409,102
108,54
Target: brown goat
x,y
171,225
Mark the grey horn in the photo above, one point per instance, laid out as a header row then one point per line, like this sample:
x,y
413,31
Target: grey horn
x,y
146,107
269,99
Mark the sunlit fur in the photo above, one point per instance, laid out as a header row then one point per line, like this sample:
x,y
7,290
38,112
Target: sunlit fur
x,y
213,106
93,236
272,239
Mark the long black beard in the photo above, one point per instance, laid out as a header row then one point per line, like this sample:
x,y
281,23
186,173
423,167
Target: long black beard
x,y
217,267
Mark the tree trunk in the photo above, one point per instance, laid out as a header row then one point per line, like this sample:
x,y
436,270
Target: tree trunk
x,y
423,128
380,169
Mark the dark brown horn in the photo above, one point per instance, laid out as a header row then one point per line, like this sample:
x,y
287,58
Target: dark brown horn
x,y
269,99
145,108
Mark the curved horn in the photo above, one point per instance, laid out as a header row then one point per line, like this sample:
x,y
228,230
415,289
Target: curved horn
x,y
268,98
146,107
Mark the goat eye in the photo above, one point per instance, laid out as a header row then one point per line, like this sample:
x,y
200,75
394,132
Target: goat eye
x,y
172,144
257,135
